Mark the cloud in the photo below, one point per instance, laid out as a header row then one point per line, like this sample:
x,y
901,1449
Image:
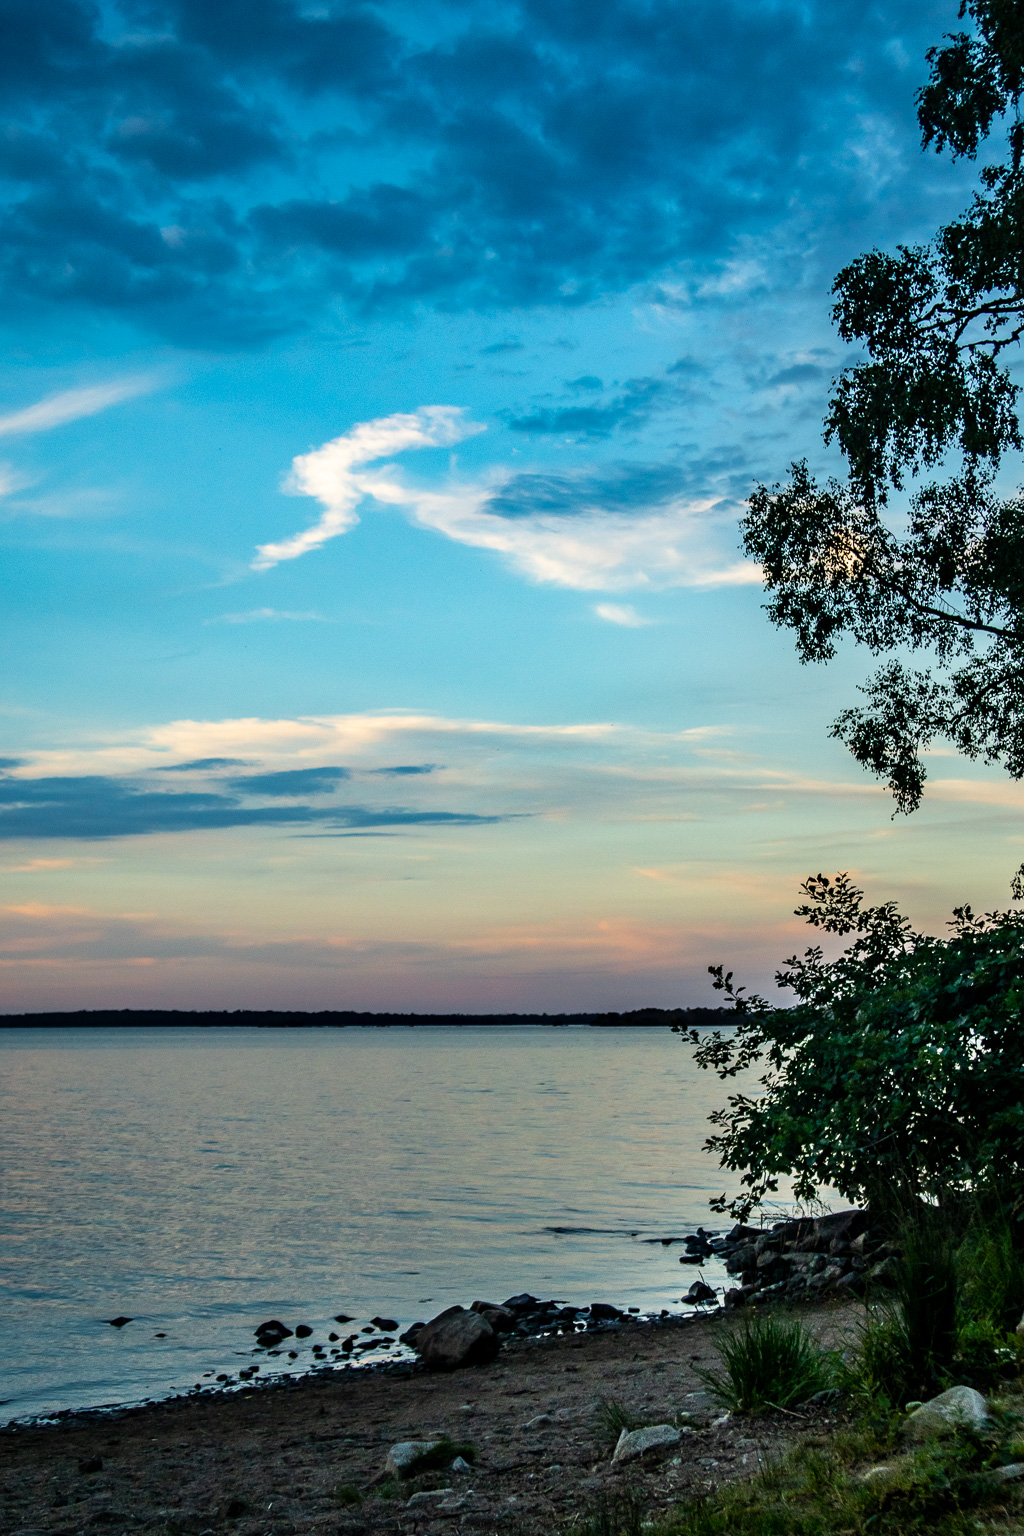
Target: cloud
x,y
292,781
620,613
631,408
601,547
328,474
225,182
405,770
73,404
273,615
204,762
93,807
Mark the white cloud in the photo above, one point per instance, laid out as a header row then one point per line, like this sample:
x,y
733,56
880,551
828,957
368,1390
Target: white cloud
x,y
73,404
593,551
261,615
328,473
620,613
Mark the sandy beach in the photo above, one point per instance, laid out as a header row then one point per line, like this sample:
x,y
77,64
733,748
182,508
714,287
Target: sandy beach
x,y
308,1455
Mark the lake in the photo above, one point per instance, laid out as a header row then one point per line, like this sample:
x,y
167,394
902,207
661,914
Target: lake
x,y
202,1180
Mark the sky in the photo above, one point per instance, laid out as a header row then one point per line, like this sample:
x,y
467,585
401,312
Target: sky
x,y
381,389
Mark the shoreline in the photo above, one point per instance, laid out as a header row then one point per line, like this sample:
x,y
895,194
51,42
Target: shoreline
x,y
270,1459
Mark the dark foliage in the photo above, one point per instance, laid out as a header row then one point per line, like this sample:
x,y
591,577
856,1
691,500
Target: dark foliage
x,y
897,1077
938,324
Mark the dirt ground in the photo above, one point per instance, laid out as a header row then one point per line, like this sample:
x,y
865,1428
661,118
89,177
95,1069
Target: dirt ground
x,y
284,1459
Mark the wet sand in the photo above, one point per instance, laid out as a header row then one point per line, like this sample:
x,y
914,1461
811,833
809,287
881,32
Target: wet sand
x,y
282,1459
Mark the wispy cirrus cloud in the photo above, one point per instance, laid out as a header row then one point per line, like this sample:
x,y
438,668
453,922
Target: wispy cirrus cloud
x,y
330,474
73,404
584,543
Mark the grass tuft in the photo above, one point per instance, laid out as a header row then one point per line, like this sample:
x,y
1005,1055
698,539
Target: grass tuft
x,y
769,1363
441,1456
616,1513
612,1418
346,1494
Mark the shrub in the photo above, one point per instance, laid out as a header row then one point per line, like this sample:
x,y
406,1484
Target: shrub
x,y
899,1068
769,1362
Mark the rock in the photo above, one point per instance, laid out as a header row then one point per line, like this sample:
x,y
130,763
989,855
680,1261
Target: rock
x,y
342,1317
119,1322
1020,1327
524,1302
272,1332
884,1273
881,1474
430,1496
455,1338
734,1297
402,1456
385,1324
303,1331
409,1336
601,1312
539,1421
1008,1474
742,1258
961,1407
460,1467
500,1318
634,1442
699,1292
844,1225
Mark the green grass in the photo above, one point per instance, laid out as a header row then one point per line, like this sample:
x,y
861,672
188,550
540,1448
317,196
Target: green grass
x,y
441,1456
616,1513
769,1362
611,1419
346,1494
941,1490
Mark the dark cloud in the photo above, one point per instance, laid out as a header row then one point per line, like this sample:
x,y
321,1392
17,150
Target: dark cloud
x,y
630,408
800,373
292,781
616,488
222,171
404,769
202,762
96,806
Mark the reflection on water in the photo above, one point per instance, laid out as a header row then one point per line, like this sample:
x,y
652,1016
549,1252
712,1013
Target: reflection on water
x,y
200,1181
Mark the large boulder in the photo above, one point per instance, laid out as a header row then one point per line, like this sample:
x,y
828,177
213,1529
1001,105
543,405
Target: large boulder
x,y
841,1225
454,1338
959,1408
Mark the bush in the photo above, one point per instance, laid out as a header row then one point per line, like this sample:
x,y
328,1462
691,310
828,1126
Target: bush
x,y
770,1363
899,1071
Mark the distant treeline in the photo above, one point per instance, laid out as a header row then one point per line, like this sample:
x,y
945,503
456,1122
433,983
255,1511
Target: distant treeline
x,y
134,1018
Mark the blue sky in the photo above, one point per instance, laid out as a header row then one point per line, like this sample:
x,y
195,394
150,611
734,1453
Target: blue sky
x,y
382,387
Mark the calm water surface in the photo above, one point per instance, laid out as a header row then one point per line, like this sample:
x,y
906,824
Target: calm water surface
x,y
201,1180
